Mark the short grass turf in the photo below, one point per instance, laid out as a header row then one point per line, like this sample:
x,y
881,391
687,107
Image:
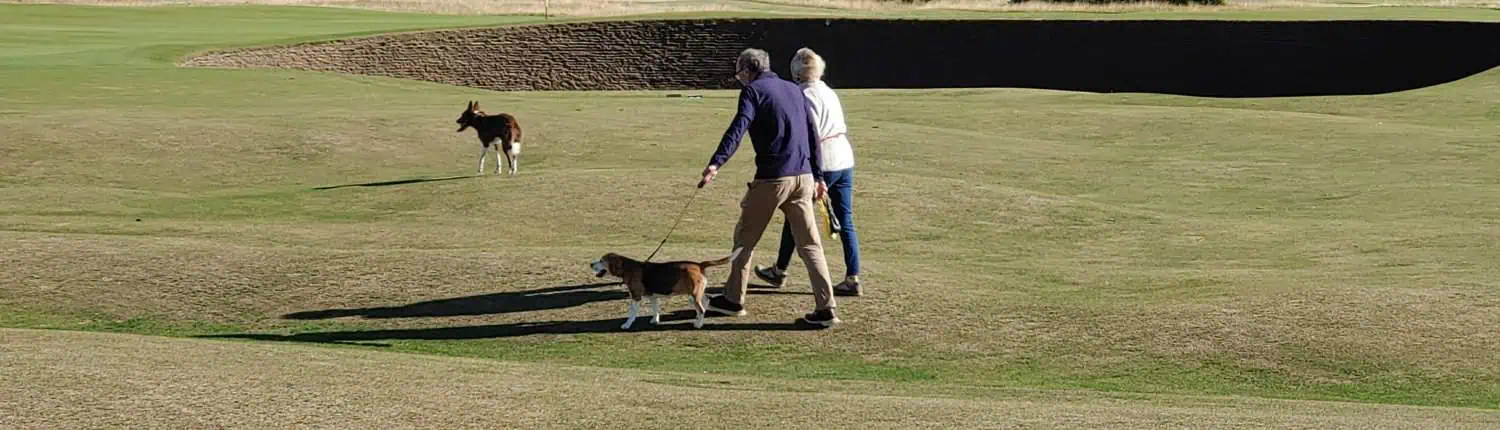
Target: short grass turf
x,y
1302,248
70,379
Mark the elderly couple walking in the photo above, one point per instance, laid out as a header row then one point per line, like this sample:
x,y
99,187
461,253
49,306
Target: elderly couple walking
x,y
801,154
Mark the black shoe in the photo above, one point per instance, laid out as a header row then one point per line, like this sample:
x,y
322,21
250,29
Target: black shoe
x,y
848,289
822,317
722,305
774,277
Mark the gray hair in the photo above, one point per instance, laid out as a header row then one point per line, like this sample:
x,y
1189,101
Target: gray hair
x,y
753,60
807,66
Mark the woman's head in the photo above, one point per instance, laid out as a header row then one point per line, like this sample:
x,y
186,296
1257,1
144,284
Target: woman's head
x,y
807,66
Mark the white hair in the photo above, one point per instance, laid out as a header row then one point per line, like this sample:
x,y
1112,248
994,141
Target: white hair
x,y
807,66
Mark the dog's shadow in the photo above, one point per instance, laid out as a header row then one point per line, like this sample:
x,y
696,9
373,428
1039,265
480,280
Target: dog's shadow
x,y
484,304
676,321
395,182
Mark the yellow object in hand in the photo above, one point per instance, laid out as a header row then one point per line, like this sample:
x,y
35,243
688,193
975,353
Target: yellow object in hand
x,y
833,229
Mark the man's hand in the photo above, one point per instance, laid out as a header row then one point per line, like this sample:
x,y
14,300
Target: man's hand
x,y
821,191
708,175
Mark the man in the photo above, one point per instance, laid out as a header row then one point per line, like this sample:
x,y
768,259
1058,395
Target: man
x,y
787,177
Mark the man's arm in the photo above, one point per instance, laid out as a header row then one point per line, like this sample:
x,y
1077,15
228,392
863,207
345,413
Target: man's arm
x,y
737,128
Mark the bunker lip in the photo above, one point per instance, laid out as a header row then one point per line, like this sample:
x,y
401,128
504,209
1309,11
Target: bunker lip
x,y
1212,58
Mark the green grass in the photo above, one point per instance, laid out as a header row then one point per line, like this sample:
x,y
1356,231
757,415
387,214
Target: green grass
x,y
1309,248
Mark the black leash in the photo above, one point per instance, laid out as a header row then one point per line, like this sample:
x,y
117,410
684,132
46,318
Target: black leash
x,y
679,220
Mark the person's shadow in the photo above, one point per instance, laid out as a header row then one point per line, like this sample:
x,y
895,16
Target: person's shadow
x,y
499,303
484,304
680,320
395,182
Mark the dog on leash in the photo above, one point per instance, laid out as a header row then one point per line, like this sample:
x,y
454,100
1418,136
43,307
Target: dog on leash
x,y
501,129
656,281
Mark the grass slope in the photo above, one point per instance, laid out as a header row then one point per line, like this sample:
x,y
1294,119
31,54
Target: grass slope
x,y
568,10
1307,248
70,379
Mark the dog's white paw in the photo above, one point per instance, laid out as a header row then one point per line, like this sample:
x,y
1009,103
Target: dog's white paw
x,y
655,321
698,324
625,326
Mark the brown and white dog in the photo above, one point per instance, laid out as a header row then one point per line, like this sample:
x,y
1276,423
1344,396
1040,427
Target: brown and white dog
x,y
658,280
500,128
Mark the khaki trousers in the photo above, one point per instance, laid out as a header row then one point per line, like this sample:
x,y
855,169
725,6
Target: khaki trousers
x,y
794,196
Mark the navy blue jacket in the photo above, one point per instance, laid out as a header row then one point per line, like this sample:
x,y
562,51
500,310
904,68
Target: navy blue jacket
x,y
781,128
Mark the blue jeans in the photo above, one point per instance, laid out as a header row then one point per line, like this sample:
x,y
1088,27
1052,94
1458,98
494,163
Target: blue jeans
x,y
841,194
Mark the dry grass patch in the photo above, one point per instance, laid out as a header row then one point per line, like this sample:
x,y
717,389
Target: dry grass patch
x,y
539,296
67,379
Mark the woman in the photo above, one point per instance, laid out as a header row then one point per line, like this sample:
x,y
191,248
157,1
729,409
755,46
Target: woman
x,y
838,172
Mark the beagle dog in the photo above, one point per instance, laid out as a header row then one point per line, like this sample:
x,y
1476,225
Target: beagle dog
x,y
655,281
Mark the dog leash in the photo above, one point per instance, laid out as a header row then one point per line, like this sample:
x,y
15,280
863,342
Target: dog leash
x,y
680,214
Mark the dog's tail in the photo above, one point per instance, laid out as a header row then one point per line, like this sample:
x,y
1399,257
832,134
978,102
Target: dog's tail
x,y
721,261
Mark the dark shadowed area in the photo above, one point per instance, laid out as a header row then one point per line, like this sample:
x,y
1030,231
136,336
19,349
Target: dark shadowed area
x,y
1201,58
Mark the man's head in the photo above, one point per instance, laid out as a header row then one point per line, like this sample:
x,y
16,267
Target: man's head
x,y
751,64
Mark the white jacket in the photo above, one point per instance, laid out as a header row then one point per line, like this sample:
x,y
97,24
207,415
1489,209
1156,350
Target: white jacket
x,y
828,115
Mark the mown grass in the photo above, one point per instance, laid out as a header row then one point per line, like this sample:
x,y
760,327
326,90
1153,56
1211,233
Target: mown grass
x,y
606,8
188,383
1311,248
